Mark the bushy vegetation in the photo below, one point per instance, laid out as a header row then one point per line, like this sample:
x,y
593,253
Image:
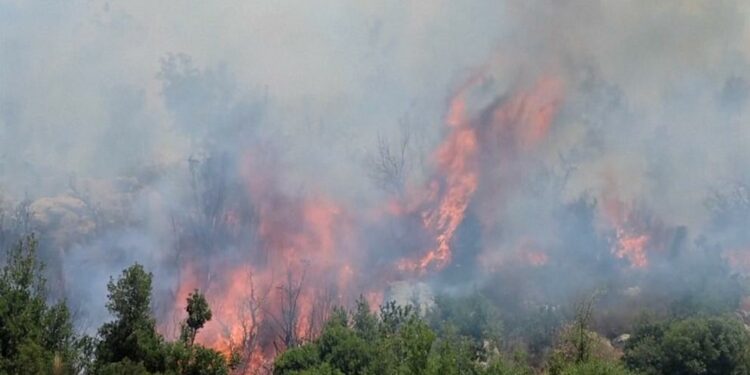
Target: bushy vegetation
x,y
457,335
713,345
397,340
463,336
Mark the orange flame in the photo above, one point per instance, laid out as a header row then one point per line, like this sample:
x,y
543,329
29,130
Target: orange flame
x,y
304,246
632,247
525,119
456,159
298,267
630,241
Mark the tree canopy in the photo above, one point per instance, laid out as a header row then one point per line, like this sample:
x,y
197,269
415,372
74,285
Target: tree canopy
x,y
35,337
700,345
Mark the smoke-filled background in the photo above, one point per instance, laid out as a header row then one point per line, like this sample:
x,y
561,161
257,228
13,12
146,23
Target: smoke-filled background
x,y
287,156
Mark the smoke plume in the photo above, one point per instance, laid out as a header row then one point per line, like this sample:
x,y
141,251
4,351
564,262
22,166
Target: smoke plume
x,y
288,157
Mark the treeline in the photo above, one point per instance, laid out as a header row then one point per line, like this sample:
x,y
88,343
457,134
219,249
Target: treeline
x,y
455,335
452,339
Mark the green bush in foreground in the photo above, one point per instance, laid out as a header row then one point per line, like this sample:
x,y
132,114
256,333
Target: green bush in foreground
x,y
396,341
34,338
714,345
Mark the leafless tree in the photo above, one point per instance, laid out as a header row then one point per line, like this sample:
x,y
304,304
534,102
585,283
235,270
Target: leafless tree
x,y
388,166
288,318
249,311
209,188
584,312
205,226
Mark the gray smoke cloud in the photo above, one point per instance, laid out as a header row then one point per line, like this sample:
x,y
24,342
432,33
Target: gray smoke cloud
x,y
129,127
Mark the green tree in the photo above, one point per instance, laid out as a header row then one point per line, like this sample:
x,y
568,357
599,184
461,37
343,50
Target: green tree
x,y
471,320
595,367
501,366
393,316
204,361
124,367
714,345
472,316
298,359
340,346
198,314
132,335
364,321
34,338
452,355
397,341
404,343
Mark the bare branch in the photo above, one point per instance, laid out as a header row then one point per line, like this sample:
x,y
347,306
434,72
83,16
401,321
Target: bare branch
x,y
388,167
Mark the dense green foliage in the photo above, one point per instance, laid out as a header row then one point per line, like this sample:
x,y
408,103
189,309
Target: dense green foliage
x,y
714,345
395,341
473,317
35,338
198,314
595,367
398,340
132,335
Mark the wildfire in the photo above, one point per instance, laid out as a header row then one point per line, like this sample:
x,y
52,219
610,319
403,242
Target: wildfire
x,y
456,161
521,122
631,238
632,247
278,292
304,257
